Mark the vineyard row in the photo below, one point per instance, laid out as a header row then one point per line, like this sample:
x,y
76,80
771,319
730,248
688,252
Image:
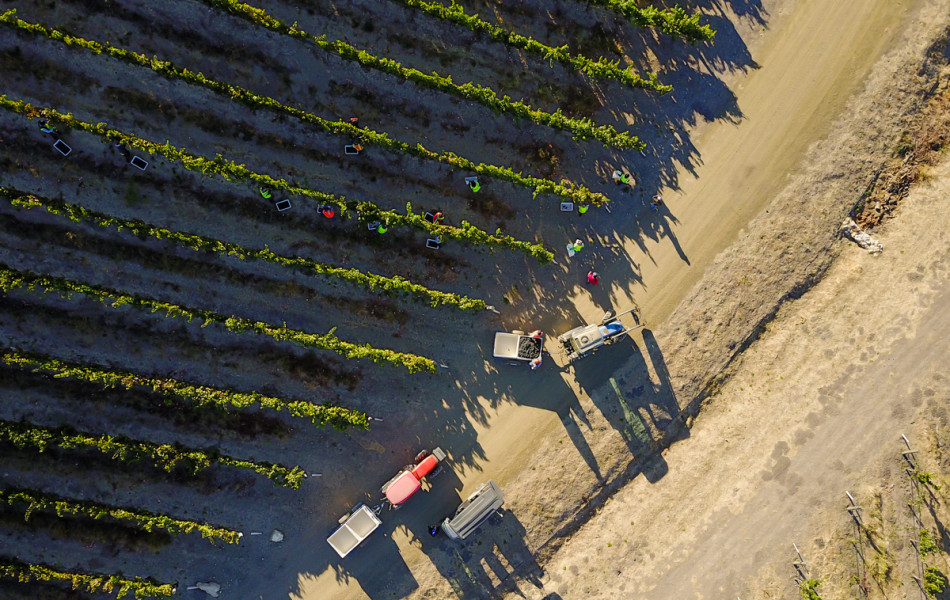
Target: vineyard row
x,y
674,21
581,129
199,243
231,171
35,500
600,68
11,279
565,189
197,395
92,583
123,449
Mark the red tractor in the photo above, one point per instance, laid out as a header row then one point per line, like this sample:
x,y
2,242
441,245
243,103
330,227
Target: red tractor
x,y
408,480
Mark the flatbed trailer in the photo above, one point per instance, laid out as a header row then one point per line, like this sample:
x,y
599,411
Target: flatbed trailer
x,y
354,528
516,346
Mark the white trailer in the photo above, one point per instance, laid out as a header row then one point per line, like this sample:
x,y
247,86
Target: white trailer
x,y
517,346
354,528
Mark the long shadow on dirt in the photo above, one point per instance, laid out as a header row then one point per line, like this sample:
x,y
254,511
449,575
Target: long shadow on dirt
x,y
483,565
381,573
640,408
479,567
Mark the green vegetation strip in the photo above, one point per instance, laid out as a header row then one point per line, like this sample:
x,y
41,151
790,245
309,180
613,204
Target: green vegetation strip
x,y
581,129
231,171
674,21
200,243
566,189
600,68
92,583
11,279
121,448
36,500
198,395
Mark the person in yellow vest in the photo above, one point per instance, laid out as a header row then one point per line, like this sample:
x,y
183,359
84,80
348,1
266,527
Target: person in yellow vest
x,y
381,229
577,246
583,208
621,178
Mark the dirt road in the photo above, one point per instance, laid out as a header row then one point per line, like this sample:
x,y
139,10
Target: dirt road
x,y
558,442
814,408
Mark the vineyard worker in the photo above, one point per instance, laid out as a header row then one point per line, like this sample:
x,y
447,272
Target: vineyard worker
x,y
327,211
473,183
45,128
381,229
593,278
656,202
620,177
266,193
583,208
577,246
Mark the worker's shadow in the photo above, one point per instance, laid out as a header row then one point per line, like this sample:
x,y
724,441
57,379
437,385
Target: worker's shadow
x,y
492,563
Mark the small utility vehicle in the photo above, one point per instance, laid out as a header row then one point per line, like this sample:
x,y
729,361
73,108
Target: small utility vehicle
x,y
583,341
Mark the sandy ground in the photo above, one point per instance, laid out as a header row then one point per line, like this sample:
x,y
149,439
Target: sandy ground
x,y
815,407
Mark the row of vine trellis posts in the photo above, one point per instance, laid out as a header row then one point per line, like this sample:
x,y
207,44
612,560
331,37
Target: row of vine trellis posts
x,y
928,579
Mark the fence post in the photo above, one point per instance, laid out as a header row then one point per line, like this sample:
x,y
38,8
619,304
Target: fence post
x,y
861,574
910,456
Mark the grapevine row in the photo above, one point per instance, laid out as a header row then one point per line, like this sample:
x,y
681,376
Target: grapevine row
x,y
600,68
12,568
201,243
566,189
198,395
11,279
581,129
231,171
674,21
36,500
121,448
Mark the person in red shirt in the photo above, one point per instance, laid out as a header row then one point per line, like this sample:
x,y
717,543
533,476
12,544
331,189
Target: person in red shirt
x,y
593,278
